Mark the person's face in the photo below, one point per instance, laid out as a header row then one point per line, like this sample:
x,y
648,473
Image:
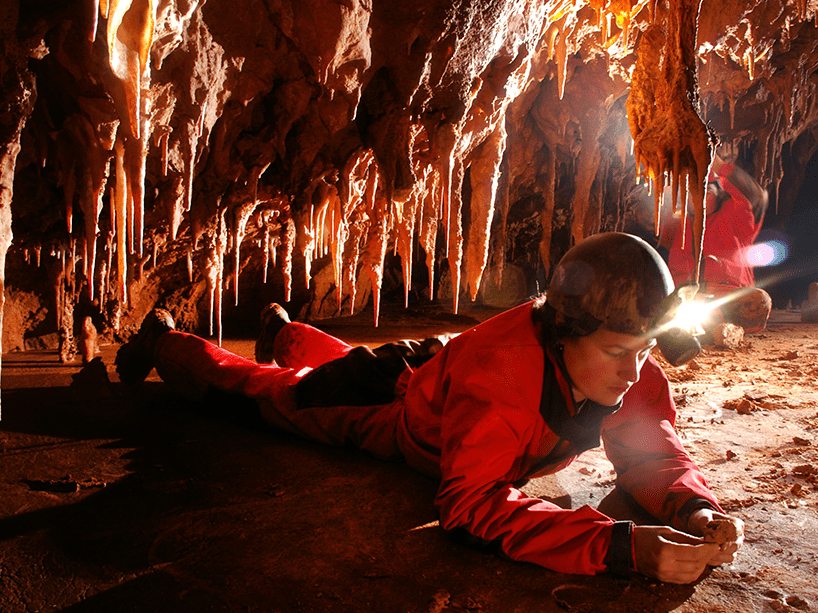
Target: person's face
x,y
604,365
711,197
711,200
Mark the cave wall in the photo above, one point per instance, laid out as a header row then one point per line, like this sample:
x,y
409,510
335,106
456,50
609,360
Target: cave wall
x,y
328,154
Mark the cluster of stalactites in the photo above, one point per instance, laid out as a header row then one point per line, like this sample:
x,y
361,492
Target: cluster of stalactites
x,y
364,220
747,55
351,215
351,219
93,146
129,36
671,143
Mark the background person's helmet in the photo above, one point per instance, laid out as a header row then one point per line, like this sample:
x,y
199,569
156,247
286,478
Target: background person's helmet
x,y
618,281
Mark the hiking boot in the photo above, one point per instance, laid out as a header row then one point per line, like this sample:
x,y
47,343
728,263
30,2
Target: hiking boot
x,y
134,360
273,318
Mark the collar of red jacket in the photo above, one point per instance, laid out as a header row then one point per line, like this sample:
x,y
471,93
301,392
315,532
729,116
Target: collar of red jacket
x,y
559,410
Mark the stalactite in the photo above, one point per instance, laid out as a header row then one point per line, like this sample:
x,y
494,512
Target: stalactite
x,y
120,215
191,143
340,233
288,236
266,249
547,214
71,264
331,232
445,143
405,222
375,252
454,235
320,229
69,190
359,185
429,223
664,120
352,253
130,32
214,252
89,211
272,246
136,153
92,179
58,287
176,205
158,241
308,244
241,214
92,28
485,176
587,166
110,242
803,6
561,52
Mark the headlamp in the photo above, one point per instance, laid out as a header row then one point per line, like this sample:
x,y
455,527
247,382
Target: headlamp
x,y
678,346
679,324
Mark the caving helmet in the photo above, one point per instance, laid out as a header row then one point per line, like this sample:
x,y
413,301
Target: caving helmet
x,y
619,281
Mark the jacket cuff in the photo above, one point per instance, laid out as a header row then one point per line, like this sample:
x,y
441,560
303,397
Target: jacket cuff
x,y
691,505
619,558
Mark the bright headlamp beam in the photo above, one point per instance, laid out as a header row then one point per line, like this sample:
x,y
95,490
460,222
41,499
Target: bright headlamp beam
x,y
691,315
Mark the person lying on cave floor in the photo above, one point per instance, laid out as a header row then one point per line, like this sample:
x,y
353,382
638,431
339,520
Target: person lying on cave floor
x,y
518,396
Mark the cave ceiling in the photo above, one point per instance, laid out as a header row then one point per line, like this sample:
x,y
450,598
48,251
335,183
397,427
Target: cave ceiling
x,y
201,154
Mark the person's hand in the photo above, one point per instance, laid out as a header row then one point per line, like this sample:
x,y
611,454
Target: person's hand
x,y
670,555
727,551
718,164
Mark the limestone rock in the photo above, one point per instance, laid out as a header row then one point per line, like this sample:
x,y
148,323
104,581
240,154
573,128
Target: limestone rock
x,y
728,335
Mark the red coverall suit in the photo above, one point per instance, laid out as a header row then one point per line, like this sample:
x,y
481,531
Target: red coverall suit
x,y
476,416
730,232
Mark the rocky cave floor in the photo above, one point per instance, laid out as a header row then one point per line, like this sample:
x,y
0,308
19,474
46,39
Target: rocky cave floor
x,y
131,500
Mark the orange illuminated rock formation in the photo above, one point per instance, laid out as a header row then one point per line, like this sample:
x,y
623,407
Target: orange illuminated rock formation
x,y
296,150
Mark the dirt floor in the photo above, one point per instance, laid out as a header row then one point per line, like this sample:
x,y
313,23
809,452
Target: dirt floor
x,y
114,501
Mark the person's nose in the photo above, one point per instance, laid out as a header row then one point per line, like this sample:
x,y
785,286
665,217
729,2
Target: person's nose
x,y
629,369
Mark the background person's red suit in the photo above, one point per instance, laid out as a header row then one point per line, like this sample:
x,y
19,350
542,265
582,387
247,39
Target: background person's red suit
x,y
730,231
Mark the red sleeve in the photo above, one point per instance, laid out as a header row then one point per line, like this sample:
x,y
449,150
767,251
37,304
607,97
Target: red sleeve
x,y
651,463
742,210
488,423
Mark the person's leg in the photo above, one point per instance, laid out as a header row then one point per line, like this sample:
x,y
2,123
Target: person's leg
x,y
191,366
300,345
273,318
204,372
294,345
750,309
134,360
